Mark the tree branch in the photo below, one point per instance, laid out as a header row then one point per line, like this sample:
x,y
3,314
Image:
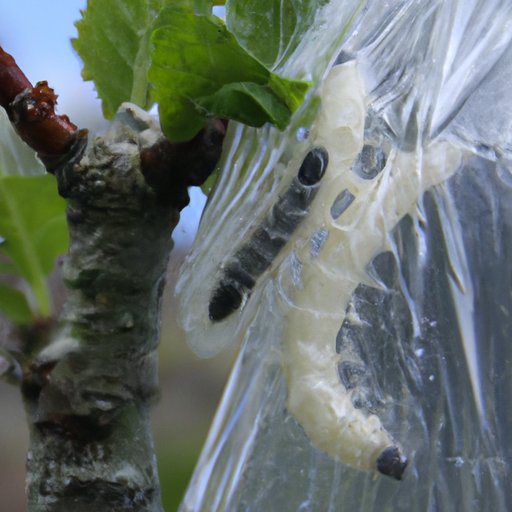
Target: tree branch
x,y
89,384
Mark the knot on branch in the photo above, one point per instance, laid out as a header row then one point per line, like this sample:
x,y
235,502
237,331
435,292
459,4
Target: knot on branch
x,y
135,162
170,167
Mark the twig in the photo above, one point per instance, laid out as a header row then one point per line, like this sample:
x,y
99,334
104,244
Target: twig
x,y
32,112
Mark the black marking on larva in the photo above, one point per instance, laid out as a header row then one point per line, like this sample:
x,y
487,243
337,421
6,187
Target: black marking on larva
x,y
392,463
240,272
351,374
317,242
313,167
225,300
343,200
370,162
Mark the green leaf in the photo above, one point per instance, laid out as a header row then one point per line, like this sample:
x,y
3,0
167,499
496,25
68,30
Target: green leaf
x,y
200,7
199,69
247,103
33,223
271,29
113,42
8,268
14,305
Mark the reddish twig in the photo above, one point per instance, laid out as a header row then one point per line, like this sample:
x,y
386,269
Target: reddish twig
x,y
32,112
12,79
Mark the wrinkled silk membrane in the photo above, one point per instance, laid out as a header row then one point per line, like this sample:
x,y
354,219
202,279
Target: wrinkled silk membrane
x,y
406,293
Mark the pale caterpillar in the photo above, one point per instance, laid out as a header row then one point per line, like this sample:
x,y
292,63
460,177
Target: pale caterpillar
x,y
240,272
362,197
356,198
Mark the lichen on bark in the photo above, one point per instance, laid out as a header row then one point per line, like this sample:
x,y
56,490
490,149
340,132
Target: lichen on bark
x,y
90,387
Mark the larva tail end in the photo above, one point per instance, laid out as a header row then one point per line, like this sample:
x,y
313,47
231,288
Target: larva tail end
x,y
392,463
225,300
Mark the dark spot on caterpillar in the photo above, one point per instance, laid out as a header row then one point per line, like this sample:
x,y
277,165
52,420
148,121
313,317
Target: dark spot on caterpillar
x,y
343,200
317,242
313,166
240,272
370,162
392,463
226,299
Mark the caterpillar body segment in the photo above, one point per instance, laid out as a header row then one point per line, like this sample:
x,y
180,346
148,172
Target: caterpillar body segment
x,y
356,210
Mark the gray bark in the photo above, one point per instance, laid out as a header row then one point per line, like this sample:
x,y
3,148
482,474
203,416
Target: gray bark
x,y
90,388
